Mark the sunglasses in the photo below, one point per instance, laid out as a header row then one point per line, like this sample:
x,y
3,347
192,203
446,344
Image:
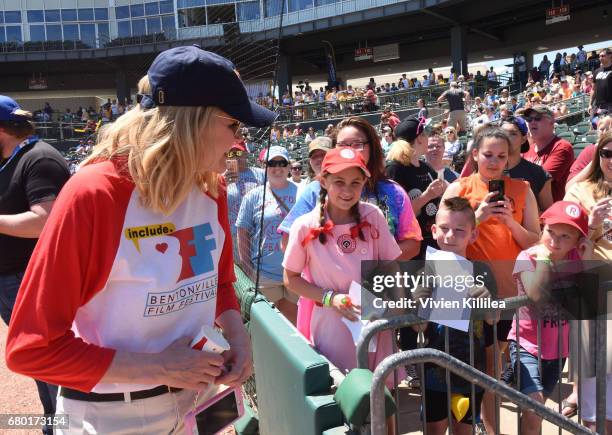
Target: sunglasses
x,y
232,154
605,154
236,126
296,168
278,163
533,118
359,146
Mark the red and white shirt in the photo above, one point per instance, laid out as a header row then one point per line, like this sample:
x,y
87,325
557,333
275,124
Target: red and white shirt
x,y
109,274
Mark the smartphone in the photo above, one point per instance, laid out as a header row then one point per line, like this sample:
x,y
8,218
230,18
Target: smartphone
x,y
215,415
497,186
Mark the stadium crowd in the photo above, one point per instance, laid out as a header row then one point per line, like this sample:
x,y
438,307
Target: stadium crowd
x,y
303,213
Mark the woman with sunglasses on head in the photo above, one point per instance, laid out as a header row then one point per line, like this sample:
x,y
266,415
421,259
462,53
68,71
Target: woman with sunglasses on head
x,y
594,193
280,194
505,228
358,134
136,258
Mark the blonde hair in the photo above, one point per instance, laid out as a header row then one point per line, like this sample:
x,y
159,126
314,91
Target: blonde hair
x,y
402,152
163,147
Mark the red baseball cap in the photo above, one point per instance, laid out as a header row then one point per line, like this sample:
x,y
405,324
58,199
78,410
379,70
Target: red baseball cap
x,y
341,158
569,213
239,145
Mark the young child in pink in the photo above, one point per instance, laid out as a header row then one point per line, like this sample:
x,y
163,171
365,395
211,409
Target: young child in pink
x,y
541,269
325,251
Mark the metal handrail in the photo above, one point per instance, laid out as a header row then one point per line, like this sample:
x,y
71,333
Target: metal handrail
x,y
465,371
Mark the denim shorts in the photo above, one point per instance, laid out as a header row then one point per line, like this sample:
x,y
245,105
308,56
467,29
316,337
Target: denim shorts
x,y
532,380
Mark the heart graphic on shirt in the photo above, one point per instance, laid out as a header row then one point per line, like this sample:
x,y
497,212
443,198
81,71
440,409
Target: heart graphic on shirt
x,y
161,247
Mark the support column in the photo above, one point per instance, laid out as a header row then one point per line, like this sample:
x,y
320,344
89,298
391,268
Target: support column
x,y
459,49
123,87
284,74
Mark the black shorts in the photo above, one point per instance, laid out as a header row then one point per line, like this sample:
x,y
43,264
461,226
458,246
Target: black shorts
x,y
436,406
503,328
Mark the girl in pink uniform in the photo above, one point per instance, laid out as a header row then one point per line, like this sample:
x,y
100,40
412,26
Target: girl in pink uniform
x,y
325,251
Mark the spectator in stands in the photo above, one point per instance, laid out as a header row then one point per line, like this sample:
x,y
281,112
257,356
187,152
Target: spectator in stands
x,y
434,156
423,112
287,132
387,139
539,180
593,193
316,152
329,130
275,134
491,98
241,179
520,63
371,101
417,178
581,58
296,172
586,155
457,99
557,63
554,154
544,67
491,78
33,173
280,196
310,135
594,61
297,131
601,98
452,145
566,90
505,228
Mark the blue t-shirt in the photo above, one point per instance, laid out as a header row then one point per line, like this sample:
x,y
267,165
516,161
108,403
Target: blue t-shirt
x,y
389,197
247,180
249,218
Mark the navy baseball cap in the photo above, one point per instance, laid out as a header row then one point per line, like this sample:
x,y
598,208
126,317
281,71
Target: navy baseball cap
x,y
190,76
10,110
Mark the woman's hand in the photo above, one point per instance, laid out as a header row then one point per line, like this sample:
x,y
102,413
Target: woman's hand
x,y
585,249
435,189
342,303
499,209
238,361
183,367
599,212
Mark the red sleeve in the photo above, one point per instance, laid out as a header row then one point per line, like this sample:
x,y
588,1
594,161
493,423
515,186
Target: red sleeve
x,y
584,158
468,168
70,264
559,162
226,296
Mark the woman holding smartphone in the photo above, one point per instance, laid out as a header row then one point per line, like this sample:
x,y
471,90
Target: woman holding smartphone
x,y
507,224
136,257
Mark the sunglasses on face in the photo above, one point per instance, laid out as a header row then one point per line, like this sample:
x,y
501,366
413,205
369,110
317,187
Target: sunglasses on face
x,y
235,126
359,146
533,118
278,163
296,168
232,154
605,154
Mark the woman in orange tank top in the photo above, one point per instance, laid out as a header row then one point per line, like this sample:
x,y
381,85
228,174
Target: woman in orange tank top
x,y
505,228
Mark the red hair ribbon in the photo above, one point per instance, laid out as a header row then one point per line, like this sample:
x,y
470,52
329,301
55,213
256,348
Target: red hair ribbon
x,y
314,233
355,229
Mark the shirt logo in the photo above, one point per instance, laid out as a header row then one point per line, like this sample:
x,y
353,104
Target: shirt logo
x,y
346,243
572,211
136,233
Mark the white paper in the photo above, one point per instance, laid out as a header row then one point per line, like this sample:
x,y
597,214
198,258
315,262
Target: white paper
x,y
356,327
448,264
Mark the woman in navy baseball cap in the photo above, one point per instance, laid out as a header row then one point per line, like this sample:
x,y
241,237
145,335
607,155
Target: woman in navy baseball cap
x,y
136,258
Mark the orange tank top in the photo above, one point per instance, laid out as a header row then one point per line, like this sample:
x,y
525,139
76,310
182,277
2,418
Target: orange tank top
x,y
495,241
